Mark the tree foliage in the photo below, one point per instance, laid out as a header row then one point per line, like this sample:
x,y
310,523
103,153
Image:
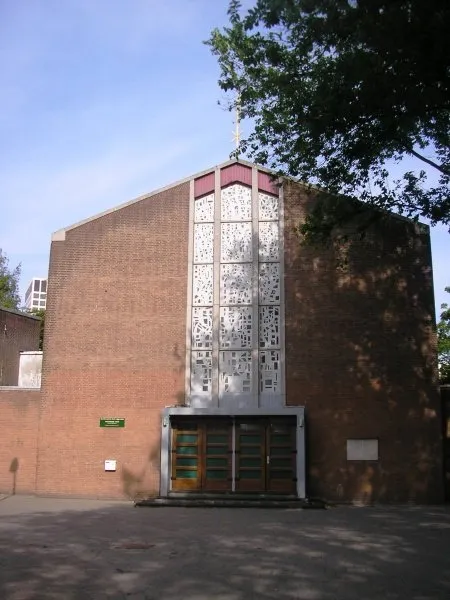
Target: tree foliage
x,y
9,283
338,90
443,330
40,312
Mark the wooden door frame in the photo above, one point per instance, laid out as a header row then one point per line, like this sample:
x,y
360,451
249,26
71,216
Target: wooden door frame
x,y
252,485
293,457
265,482
186,484
201,483
172,413
220,485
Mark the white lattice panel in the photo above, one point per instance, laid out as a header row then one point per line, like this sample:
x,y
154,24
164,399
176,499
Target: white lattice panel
x,y
236,203
236,242
269,326
202,285
235,372
203,242
236,327
202,327
236,284
234,331
201,372
269,372
204,209
269,283
269,241
268,207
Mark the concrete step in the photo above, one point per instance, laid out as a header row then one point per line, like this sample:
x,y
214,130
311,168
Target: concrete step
x,y
231,502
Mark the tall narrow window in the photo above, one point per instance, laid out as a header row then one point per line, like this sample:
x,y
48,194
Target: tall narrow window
x,y
236,312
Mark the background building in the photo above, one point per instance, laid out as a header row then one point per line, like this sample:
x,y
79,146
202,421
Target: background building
x,y
36,294
19,332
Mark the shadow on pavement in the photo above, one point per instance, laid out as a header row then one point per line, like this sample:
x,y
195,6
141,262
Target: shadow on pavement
x,y
80,549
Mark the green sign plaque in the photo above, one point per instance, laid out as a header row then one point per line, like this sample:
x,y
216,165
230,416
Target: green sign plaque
x,y
112,422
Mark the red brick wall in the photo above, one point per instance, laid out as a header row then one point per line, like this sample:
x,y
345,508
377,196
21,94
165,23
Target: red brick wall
x,y
360,355
19,414
18,332
114,346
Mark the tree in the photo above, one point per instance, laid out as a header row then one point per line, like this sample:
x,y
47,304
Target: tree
x,y
339,91
443,330
9,283
40,312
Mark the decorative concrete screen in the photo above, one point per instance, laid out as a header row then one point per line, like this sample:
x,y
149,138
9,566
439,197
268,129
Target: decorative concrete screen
x,y
202,300
235,319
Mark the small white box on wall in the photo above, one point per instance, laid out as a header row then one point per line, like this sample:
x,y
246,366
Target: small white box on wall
x,y
362,449
110,465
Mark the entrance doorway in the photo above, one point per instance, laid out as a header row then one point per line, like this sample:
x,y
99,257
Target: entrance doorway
x,y
250,454
201,455
266,455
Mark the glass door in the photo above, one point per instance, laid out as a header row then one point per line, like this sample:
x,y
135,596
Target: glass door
x,y
201,455
281,456
250,456
265,455
186,456
216,462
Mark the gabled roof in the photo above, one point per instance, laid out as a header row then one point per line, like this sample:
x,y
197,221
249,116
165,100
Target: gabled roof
x,y
60,235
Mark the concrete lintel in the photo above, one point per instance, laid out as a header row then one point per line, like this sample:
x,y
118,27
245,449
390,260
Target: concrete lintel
x,y
186,411
16,388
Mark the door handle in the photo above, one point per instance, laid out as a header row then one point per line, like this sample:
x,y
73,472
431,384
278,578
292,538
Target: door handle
x,y
268,459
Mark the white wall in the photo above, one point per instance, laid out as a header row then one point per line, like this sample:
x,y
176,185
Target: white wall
x,y
30,369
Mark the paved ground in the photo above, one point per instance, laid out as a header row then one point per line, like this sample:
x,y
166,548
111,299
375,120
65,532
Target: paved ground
x,y
70,549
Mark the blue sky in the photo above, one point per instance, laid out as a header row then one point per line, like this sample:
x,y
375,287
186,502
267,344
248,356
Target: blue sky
x,y
104,100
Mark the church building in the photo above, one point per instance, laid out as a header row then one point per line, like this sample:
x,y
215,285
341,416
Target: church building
x,y
214,353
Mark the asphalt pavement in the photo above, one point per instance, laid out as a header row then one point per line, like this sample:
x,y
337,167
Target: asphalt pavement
x,y
90,549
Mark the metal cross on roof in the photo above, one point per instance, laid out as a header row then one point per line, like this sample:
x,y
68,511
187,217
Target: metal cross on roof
x,y
237,122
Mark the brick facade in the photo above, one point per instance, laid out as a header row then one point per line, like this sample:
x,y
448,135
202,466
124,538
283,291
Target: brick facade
x,y
19,415
360,352
360,355
120,352
18,332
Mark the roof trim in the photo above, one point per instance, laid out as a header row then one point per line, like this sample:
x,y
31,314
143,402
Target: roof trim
x,y
60,234
20,313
